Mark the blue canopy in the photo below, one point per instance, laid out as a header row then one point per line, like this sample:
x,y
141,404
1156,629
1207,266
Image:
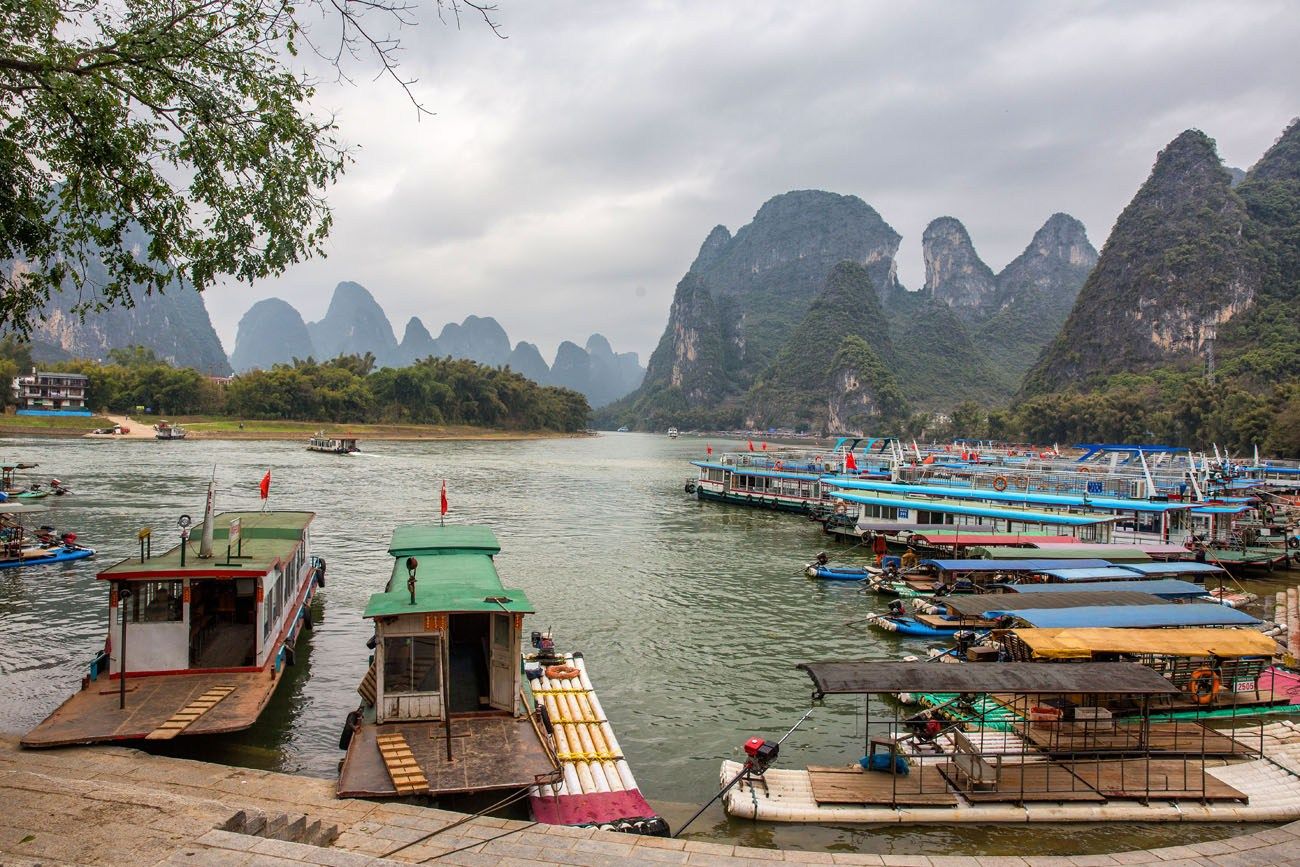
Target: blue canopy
x,y
1180,567
1092,573
1100,503
1140,616
1165,588
1218,510
1009,565
1002,512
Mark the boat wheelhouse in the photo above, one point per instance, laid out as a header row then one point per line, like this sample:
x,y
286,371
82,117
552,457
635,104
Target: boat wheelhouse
x,y
332,445
195,644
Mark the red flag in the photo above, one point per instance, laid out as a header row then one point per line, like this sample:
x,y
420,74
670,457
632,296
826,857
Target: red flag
x,y
849,462
751,445
265,486
708,448
764,446
443,504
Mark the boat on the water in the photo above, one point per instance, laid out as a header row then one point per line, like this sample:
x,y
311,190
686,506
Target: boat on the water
x,y
1063,742
333,445
445,710
167,431
197,640
20,546
672,433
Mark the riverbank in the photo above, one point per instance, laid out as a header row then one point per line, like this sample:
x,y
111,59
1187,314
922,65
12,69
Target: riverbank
x,y
114,805
213,428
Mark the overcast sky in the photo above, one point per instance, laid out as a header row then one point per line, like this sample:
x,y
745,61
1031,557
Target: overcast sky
x,y
571,171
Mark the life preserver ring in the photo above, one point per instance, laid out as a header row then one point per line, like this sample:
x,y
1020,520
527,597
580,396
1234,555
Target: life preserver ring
x,y
999,483
779,465
1203,685
1022,482
1293,542
562,672
1084,470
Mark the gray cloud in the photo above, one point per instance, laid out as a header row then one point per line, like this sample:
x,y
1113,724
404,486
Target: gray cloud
x,y
590,152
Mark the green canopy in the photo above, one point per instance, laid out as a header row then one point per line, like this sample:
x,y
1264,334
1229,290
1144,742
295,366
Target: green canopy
x,y
448,583
416,539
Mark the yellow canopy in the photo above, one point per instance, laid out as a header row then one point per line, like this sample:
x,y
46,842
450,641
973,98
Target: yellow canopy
x,y
1083,643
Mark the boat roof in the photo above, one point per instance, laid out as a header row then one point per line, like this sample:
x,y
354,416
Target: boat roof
x,y
1015,497
1167,588
1009,564
1090,573
1218,510
413,540
992,605
954,507
1182,567
1082,643
957,537
453,583
1017,678
1106,553
1168,614
267,539
755,471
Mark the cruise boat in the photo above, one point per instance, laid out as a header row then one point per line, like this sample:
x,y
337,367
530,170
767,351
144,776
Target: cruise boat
x,y
672,433
332,445
196,640
445,707
168,431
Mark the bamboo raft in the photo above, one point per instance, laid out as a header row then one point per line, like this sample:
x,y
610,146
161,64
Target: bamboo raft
x,y
596,787
1031,787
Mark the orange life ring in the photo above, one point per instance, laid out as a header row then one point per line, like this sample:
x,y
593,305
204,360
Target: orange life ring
x,y
999,483
562,672
779,466
1199,693
1084,470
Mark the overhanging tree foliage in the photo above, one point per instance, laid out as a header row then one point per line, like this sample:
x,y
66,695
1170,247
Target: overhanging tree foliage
x,y
182,118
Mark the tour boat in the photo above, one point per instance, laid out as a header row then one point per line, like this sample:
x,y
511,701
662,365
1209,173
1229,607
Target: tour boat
x,y
197,640
445,709
332,445
167,431
672,433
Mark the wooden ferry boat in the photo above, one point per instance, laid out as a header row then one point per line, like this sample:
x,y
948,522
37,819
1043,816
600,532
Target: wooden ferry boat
x,y
445,710
167,431
20,546
1060,754
332,445
197,641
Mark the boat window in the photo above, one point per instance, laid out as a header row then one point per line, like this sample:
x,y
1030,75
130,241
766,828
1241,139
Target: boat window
x,y
154,602
411,664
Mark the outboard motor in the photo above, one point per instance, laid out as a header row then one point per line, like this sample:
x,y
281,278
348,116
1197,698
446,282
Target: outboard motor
x,y
821,558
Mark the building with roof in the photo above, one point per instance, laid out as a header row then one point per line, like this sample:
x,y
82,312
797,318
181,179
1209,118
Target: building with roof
x,y
43,393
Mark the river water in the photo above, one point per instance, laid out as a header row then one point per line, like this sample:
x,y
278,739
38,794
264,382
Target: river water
x,y
691,615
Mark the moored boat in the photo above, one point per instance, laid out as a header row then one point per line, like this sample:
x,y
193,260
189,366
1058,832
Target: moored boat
x,y
197,642
22,547
167,431
444,710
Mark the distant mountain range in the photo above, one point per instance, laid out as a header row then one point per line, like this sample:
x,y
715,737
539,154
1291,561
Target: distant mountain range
x,y
273,332
799,320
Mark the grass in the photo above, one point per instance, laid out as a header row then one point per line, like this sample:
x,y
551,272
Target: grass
x,y
38,424
219,427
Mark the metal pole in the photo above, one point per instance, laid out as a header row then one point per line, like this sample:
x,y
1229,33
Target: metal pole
x,y
446,681
122,596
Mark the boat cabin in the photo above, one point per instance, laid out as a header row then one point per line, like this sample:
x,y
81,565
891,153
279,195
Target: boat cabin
x,y
229,611
447,632
333,445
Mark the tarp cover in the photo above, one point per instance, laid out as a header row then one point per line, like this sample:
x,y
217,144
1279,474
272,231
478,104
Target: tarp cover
x,y
1181,568
991,605
1083,643
1167,588
1010,565
1093,573
1171,614
1032,678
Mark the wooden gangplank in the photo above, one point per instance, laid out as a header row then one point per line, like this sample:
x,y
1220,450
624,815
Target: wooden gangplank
x,y
405,771
186,716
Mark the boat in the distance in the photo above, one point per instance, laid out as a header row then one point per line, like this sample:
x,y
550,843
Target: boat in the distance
x,y
198,639
333,445
672,433
167,431
445,710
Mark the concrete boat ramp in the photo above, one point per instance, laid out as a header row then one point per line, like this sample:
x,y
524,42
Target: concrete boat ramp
x,y
113,805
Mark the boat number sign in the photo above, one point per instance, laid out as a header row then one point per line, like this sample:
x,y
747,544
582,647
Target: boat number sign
x,y
234,531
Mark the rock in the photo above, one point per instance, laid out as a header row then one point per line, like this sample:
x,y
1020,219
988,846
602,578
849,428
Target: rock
x,y
954,273
271,332
354,324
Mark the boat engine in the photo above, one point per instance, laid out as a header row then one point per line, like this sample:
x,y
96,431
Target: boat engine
x,y
762,753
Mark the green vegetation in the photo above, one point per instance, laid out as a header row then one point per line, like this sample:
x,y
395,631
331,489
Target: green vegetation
x,y
344,390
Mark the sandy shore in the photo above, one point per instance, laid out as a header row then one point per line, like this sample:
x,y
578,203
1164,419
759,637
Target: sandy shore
x,y
254,430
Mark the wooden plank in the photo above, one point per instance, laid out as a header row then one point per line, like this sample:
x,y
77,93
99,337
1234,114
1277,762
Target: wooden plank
x,y
1025,783
923,786
1162,780
189,714
402,767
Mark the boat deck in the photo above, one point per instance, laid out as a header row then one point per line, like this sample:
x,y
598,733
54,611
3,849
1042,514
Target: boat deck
x,y
92,715
489,753
852,785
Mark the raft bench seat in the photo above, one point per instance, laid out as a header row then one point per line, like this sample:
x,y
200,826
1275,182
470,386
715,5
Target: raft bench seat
x,y
971,765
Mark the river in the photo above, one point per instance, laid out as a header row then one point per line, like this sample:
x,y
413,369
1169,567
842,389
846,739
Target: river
x,y
691,616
